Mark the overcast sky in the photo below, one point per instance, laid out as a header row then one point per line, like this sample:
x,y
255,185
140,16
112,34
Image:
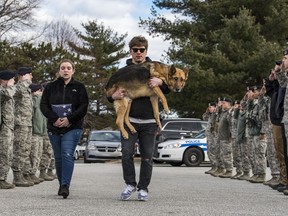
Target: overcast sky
x,y
120,15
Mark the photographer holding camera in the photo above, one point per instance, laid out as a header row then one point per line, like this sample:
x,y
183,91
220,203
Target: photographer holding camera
x,y
280,73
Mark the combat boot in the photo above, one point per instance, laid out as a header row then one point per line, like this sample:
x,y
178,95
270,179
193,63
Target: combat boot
x,y
40,179
35,179
6,185
213,169
51,174
245,176
227,174
237,175
252,178
18,180
27,178
274,181
218,172
260,178
44,176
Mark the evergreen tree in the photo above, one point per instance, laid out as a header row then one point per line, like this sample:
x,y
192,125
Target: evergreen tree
x,y
225,43
100,51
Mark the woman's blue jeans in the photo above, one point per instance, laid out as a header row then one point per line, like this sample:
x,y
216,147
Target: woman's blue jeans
x,y
64,147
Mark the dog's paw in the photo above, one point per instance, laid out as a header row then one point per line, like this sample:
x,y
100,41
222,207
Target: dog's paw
x,y
167,111
125,135
133,130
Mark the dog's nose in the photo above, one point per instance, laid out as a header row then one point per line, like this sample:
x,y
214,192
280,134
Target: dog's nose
x,y
178,90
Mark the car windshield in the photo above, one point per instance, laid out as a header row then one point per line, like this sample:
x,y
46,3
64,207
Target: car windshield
x,y
105,136
200,135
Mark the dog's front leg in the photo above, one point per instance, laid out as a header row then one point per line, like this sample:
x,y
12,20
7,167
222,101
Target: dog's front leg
x,y
162,97
127,122
121,108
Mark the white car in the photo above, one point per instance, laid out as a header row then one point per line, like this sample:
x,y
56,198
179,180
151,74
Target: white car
x,y
190,151
79,151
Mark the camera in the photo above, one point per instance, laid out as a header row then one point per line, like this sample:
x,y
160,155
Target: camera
x,y
279,62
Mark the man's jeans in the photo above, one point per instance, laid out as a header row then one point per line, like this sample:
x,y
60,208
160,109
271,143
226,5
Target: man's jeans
x,y
146,134
64,147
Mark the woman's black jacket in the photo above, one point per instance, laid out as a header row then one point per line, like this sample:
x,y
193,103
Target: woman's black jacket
x,y
56,93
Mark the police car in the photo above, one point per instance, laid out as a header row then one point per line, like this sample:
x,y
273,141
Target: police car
x,y
190,151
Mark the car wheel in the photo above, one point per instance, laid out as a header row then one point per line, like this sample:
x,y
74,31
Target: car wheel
x,y
76,155
193,157
178,163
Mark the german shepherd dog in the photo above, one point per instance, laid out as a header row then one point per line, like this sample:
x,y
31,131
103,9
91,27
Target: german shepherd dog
x,y
133,81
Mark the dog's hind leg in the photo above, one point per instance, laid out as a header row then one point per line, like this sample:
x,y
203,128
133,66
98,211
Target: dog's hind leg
x,y
154,102
162,97
121,108
127,122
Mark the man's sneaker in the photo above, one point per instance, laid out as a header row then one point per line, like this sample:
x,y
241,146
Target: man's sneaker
x,y
127,192
142,195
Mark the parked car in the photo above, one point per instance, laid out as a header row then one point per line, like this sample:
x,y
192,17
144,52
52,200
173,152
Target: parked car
x,y
190,151
102,145
79,151
178,128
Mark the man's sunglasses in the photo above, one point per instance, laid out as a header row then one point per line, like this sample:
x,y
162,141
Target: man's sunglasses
x,y
135,50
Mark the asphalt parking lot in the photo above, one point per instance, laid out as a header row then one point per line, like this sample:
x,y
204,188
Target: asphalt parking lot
x,y
175,191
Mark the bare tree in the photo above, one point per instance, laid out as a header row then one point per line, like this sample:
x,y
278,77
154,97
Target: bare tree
x,y
60,32
16,15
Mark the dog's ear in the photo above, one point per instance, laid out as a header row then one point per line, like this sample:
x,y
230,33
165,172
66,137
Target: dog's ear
x,y
172,70
186,71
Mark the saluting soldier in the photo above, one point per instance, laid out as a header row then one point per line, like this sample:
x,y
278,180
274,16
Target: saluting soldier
x,y
7,90
258,147
236,150
224,136
21,164
209,116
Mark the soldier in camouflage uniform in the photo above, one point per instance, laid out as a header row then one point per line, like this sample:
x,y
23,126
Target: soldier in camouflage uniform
x,y
236,150
209,116
47,161
224,136
264,104
7,90
247,148
38,132
220,169
242,141
21,165
254,124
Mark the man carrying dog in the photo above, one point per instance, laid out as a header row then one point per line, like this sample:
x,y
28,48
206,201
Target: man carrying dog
x,y
142,118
